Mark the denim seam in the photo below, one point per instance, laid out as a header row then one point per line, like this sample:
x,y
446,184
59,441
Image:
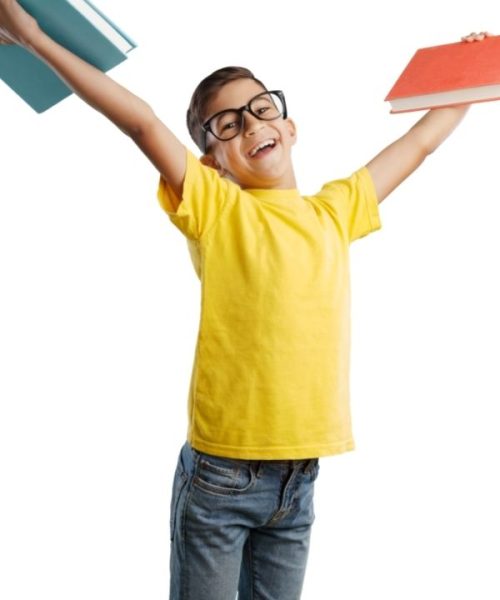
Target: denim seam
x,y
214,489
233,473
284,507
175,505
252,565
182,524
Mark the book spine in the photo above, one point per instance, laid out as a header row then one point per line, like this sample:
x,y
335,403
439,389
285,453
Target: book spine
x,y
110,22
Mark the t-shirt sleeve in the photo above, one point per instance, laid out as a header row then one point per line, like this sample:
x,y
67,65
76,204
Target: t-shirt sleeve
x,y
204,196
352,203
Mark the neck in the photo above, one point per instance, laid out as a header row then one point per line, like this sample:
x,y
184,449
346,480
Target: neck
x,y
285,182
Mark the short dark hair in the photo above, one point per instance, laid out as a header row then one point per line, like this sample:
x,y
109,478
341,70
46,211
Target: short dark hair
x,y
205,91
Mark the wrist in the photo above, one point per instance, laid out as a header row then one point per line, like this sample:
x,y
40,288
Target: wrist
x,y
33,37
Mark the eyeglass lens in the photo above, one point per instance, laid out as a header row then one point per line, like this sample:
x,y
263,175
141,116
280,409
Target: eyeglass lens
x,y
267,107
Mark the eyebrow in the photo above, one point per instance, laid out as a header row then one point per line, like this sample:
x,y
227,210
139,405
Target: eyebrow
x,y
218,113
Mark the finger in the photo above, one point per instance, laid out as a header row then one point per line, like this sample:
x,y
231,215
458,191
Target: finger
x,y
476,37
469,38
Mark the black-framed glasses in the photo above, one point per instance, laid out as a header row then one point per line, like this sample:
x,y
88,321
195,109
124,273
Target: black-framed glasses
x,y
227,124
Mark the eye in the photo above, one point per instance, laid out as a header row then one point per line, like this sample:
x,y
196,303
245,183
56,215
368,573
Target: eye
x,y
229,125
264,107
226,122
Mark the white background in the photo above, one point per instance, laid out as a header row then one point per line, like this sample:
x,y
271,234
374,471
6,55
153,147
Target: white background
x,y
99,308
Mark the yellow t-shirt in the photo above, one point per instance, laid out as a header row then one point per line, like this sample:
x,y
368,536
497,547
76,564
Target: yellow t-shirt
x,y
270,377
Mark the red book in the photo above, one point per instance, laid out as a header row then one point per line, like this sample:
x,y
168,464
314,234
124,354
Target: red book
x,y
459,73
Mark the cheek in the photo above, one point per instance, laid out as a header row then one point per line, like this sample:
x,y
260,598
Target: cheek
x,y
228,160
232,157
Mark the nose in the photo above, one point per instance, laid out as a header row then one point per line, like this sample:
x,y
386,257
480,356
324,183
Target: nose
x,y
251,124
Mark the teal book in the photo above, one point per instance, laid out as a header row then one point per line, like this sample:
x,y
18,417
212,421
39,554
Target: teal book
x,y
77,25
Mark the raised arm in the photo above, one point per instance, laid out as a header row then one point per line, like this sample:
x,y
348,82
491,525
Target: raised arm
x,y
393,165
129,112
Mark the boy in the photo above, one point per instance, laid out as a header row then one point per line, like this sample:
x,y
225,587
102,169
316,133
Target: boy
x,y
269,390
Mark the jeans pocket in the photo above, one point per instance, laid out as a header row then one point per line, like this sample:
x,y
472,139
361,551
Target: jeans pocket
x,y
180,480
222,476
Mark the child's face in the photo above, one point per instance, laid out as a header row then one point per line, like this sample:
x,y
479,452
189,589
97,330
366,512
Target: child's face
x,y
271,168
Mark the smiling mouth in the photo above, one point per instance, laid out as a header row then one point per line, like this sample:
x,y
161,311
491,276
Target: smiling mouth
x,y
263,148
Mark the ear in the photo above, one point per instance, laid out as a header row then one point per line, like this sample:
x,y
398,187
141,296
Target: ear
x,y
292,130
210,161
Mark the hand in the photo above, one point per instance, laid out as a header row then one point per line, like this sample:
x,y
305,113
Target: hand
x,y
476,37
16,25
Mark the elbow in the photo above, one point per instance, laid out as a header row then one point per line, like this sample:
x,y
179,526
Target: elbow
x,y
145,119
431,146
424,143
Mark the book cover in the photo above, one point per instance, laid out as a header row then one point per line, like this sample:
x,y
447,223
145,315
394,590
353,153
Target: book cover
x,y
448,74
78,26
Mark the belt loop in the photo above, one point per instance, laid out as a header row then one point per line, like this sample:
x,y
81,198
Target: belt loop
x,y
195,459
310,465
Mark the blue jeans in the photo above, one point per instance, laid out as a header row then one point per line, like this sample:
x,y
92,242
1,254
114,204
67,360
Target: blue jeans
x,y
240,526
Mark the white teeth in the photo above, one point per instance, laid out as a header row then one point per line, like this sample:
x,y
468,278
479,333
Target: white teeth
x,y
263,144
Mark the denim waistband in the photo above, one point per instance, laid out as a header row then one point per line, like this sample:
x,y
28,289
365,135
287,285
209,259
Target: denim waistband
x,y
191,456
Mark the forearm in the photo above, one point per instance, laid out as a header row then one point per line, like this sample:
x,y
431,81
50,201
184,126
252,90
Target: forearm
x,y
436,125
129,112
393,165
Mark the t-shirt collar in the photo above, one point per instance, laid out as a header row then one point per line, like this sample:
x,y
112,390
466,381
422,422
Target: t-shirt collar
x,y
277,196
